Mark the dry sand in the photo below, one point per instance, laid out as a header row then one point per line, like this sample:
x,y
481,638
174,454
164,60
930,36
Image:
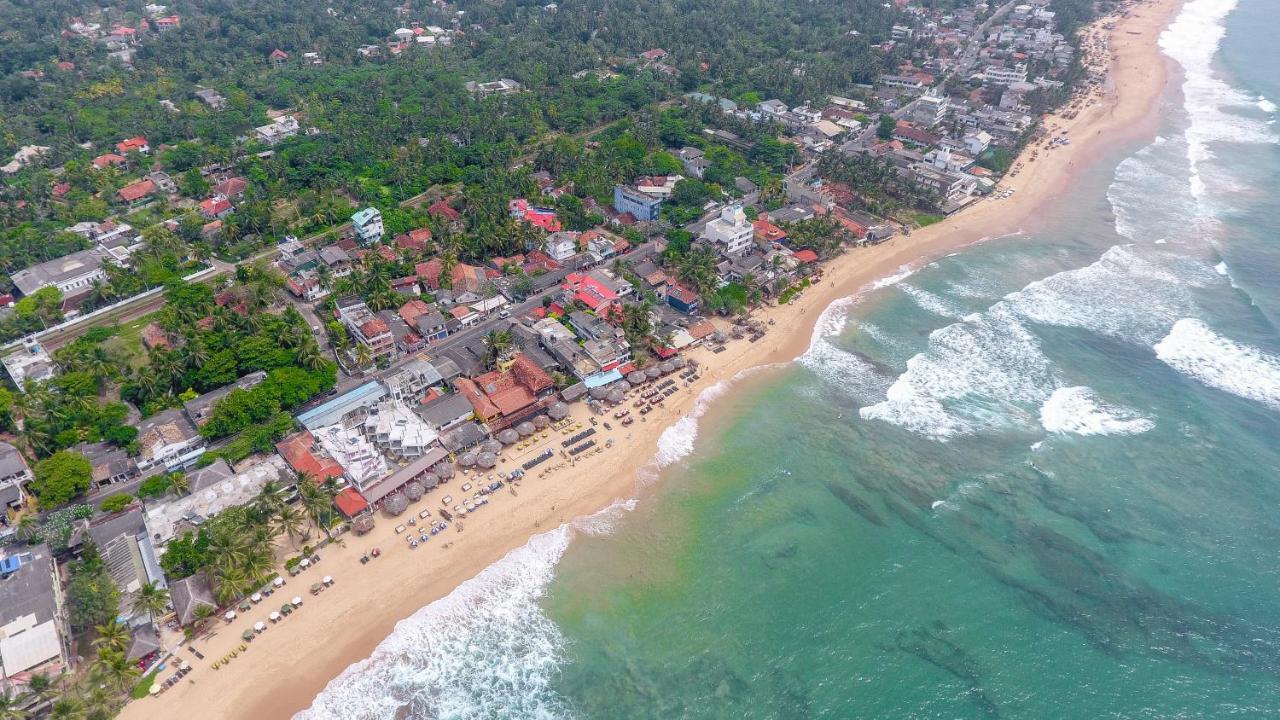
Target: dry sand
x,y
290,663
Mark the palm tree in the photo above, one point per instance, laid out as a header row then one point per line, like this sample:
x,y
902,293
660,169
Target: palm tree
x,y
309,356
289,522
151,599
178,483
497,342
226,550
112,637
40,687
117,669
69,707
28,527
9,709
363,355
232,583
316,503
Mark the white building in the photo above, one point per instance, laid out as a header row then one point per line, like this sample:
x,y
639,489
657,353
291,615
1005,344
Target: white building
x,y
1005,75
168,441
32,620
284,127
732,230
562,245
29,363
368,224
72,274
395,429
930,108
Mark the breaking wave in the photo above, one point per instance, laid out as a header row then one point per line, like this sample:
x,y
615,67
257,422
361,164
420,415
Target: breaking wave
x,y
1079,411
1194,349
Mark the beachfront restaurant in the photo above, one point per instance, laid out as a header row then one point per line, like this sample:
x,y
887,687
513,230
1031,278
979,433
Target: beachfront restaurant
x,y
419,469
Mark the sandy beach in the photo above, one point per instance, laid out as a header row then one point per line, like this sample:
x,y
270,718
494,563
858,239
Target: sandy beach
x,y
284,668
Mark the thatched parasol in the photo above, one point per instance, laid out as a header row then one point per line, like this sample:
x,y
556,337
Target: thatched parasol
x,y
430,480
677,362
616,395
541,422
414,490
395,504
559,411
526,429
598,393
636,377
467,459
487,460
667,368
362,524
443,469
652,372
491,446
508,436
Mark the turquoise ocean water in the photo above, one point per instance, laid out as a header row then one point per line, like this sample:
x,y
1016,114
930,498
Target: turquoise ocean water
x,y
1036,479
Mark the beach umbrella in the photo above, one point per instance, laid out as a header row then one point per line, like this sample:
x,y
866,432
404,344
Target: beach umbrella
x,y
615,396
286,608
443,469
257,597
598,393
508,436
414,490
395,504
652,372
230,615
491,446
526,428
559,411
429,480
154,689
274,616
327,579
667,368
278,582
306,562
316,587
296,601
636,377
487,460
246,635
259,626
362,524
541,422
678,362
467,459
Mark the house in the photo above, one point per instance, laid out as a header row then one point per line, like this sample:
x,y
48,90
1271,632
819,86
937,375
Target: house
x,y
72,274
306,457
411,380
278,57
33,630
661,186
540,217
368,225
216,208
171,22
231,188
642,206
125,546
365,327
503,398
562,245
106,160
766,232
683,299
446,411
731,230
167,442
164,183
14,475
502,86
134,144
190,594
29,363
416,239
111,464
336,259
429,272
212,98
653,55
443,210
908,133
137,192
277,131
977,142
154,337
200,407
929,109
591,291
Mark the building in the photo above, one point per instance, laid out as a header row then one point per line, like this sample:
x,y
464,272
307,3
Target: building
x,y
167,442
411,380
368,225
446,412
212,98
540,217
683,299
29,363
14,475
732,230
562,245
134,144
643,207
111,464
189,595
273,133
397,431
502,86
999,75
136,193
365,327
306,457
123,542
73,274
591,292
33,629
930,109
503,398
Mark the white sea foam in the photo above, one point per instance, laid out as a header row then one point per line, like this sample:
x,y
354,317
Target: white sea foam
x,y
486,650
930,302
1194,349
1079,411
1192,40
903,273
974,375
1266,105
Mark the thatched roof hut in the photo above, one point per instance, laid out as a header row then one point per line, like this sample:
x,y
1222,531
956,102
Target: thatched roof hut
x,y
414,490
541,422
526,429
678,362
430,480
616,395
443,469
491,446
508,436
636,377
467,459
395,504
667,368
652,372
362,525
559,411
598,393
487,460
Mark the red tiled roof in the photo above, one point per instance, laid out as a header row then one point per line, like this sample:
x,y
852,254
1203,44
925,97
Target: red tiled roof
x,y
806,256
133,143
414,239
429,272
136,190
61,189
410,311
767,231
589,291
109,159
386,253
374,327
296,450
442,208
231,187
214,206
350,503
279,54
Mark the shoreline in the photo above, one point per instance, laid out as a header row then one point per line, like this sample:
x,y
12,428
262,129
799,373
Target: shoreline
x,y
285,668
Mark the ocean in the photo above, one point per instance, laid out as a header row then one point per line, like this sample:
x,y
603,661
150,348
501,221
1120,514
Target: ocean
x,y
1038,478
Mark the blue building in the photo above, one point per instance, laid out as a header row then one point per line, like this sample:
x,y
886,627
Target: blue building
x,y
629,200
